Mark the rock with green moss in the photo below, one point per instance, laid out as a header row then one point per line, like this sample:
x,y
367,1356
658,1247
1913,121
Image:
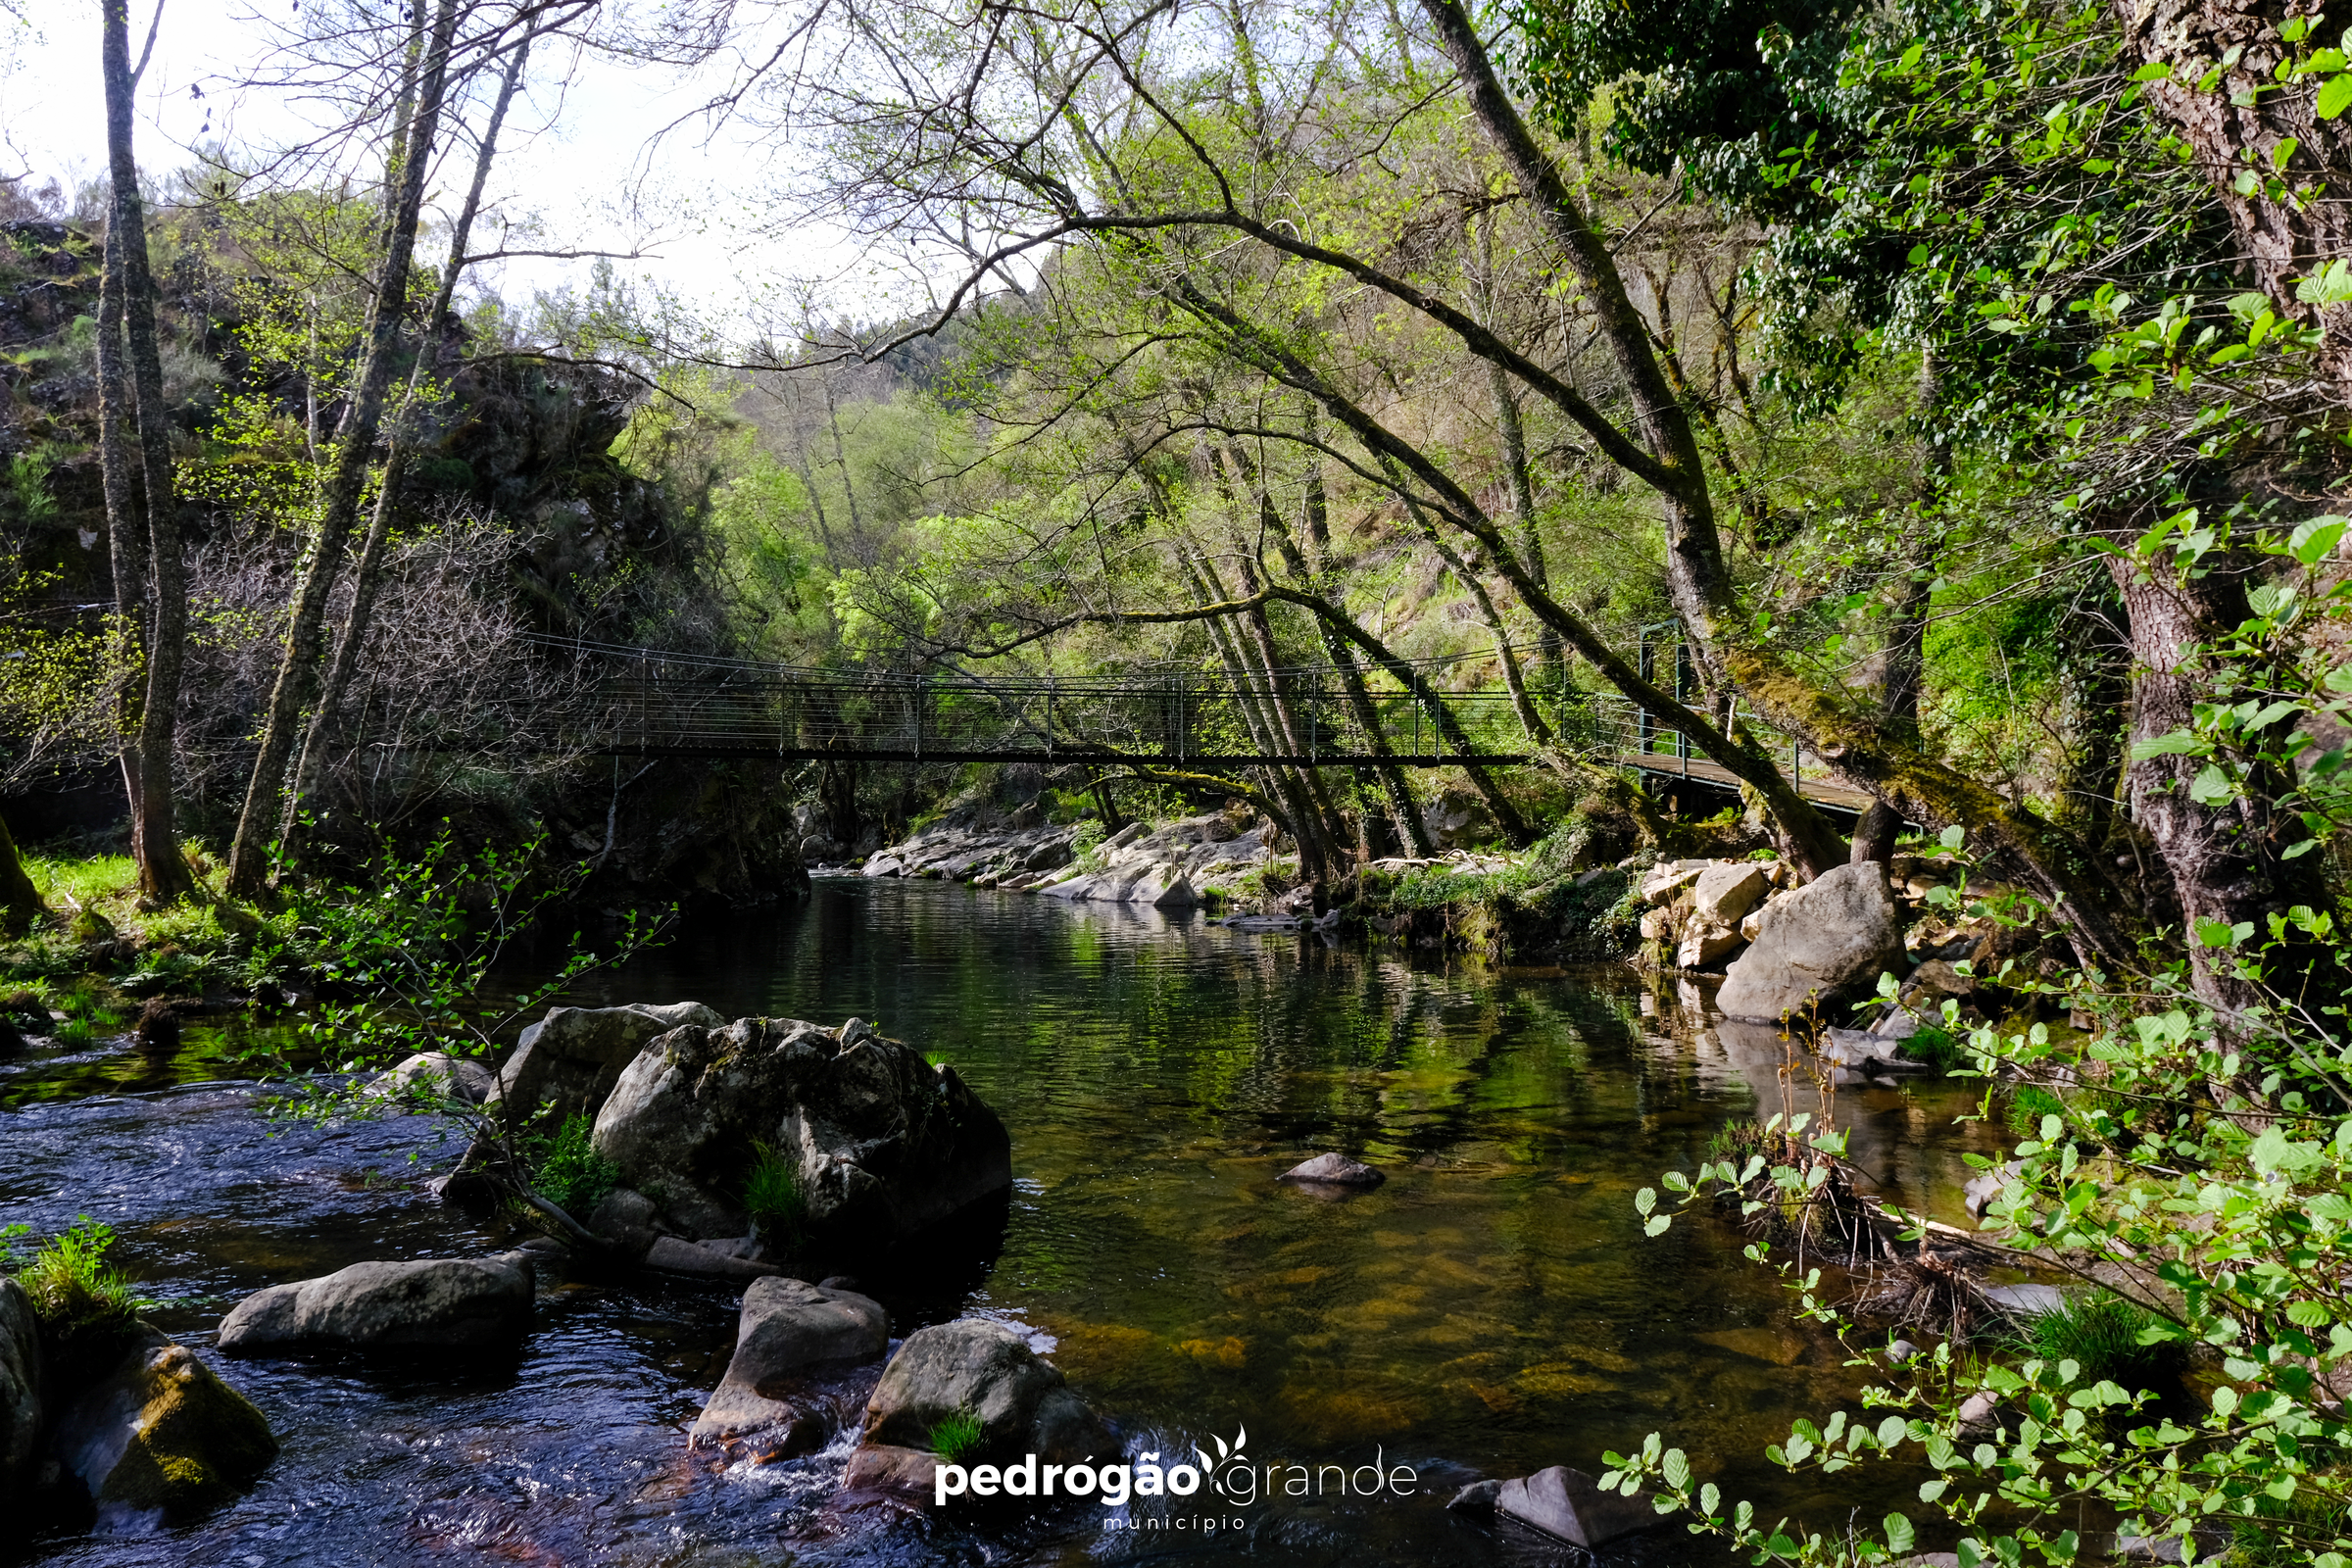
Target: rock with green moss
x,y
160,1438
20,1393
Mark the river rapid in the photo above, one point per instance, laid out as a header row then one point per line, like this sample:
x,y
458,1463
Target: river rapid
x,y
1494,1308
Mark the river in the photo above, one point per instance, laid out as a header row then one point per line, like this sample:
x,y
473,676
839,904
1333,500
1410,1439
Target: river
x,y
1494,1308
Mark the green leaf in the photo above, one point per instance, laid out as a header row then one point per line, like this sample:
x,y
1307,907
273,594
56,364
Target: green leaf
x,y
2336,95
2314,538
2211,786
2179,742
1658,1226
1900,1537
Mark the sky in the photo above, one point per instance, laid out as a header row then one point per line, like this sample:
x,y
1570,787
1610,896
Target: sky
x,y
563,171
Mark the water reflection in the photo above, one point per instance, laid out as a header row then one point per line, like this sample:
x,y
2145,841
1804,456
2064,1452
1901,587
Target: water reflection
x,y
1492,1309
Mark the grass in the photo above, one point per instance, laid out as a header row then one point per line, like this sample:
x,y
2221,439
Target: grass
x,y
569,1173
2101,1334
70,1284
774,1197
96,898
956,1434
1939,1047
2027,1104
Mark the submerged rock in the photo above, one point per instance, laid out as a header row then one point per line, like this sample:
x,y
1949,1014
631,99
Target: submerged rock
x,y
1333,1170
436,1305
160,1436
1569,1505
1838,932
986,1370
789,1327
20,1392
882,1142
883,1472
1479,1496
575,1055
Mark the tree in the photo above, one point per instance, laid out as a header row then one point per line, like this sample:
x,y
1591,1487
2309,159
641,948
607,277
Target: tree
x,y
416,124
130,289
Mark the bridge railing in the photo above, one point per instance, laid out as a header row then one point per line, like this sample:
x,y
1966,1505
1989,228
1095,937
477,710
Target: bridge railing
x,y
655,703
652,704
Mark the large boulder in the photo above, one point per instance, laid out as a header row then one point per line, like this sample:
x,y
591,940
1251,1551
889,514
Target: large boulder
x,y
788,1329
1836,934
573,1057
882,1142
20,1392
437,1304
987,1370
160,1436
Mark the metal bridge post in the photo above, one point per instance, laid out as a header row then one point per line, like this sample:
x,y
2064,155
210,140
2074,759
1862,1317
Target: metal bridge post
x,y
918,716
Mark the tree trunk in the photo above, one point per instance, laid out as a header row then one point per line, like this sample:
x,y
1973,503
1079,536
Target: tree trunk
x,y
126,524
2225,860
164,875
2291,219
297,669
20,901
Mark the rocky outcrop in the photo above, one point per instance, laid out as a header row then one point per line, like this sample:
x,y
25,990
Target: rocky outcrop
x,y
1172,867
789,1328
883,1144
571,1059
1821,942
20,1393
440,1305
989,1371
160,1436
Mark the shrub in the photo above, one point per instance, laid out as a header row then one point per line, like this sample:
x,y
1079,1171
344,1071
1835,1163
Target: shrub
x,y
569,1173
778,1204
70,1284
956,1434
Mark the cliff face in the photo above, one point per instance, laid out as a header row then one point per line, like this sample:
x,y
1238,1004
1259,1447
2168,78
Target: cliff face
x,y
519,449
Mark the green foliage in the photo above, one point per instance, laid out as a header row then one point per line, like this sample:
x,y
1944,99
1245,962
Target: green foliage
x,y
568,1172
774,1197
956,1434
2027,1104
70,1286
2104,1334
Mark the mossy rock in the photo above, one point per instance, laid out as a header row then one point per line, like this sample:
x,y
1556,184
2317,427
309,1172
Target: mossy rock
x,y
163,1435
89,927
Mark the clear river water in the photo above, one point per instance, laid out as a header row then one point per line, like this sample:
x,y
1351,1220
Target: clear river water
x,y
1494,1308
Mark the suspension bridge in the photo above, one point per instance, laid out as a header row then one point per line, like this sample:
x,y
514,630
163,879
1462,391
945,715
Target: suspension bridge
x,y
652,704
